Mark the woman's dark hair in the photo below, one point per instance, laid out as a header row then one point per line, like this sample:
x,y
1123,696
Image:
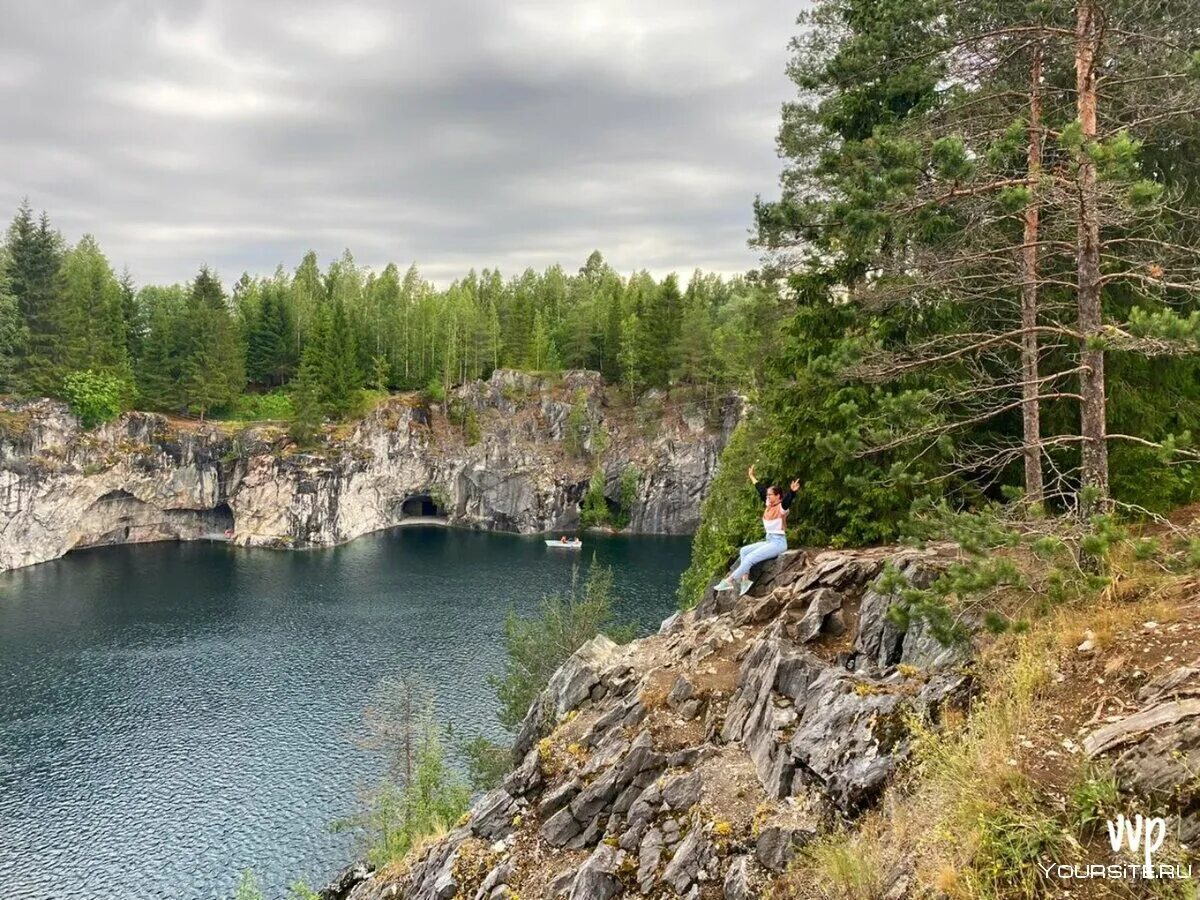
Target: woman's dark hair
x,y
776,489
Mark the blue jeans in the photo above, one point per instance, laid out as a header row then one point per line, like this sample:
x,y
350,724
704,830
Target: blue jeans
x,y
752,554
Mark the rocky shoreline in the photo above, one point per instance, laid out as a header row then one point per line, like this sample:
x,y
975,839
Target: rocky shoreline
x,y
698,762
146,477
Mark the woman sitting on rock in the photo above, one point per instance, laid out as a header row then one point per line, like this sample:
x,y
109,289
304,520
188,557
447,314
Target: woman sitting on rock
x,y
774,524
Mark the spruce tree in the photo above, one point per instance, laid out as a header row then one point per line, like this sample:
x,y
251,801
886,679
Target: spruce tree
x,y
34,257
12,335
91,314
214,366
337,360
307,414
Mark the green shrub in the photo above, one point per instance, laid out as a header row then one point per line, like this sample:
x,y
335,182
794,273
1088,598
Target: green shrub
x,y
95,397
275,406
420,796
487,762
435,391
728,517
1012,841
593,509
537,646
248,887
299,890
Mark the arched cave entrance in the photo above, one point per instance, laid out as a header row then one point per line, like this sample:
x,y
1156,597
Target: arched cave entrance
x,y
422,506
221,517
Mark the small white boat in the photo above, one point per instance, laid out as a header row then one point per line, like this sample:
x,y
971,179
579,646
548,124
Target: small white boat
x,y
565,545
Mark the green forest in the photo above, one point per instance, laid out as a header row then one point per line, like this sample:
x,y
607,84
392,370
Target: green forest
x,y
988,237
979,281
308,342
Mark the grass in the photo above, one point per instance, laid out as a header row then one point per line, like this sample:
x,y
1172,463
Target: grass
x,y
963,817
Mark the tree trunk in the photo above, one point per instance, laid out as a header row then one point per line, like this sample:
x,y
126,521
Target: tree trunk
x,y
1092,419
1030,412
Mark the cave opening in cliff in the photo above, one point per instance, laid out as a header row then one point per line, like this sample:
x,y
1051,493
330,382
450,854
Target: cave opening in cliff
x,y
221,517
423,506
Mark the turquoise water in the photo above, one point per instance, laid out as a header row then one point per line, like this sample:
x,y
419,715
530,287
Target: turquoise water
x,y
172,714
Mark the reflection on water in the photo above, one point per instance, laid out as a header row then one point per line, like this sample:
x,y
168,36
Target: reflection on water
x,y
175,713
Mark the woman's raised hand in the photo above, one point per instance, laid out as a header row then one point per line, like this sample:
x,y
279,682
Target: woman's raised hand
x,y
750,473
795,485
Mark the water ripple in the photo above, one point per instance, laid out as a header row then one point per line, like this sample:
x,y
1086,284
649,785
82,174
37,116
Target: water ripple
x,y
173,714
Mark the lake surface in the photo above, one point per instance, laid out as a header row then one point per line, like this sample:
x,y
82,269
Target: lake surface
x,y
173,714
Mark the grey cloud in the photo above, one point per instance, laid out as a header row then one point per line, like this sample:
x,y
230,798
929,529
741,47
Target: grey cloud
x,y
454,134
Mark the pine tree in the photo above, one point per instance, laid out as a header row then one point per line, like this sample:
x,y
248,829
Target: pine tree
x,y
213,369
12,335
91,314
338,362
131,312
307,414
33,260
159,367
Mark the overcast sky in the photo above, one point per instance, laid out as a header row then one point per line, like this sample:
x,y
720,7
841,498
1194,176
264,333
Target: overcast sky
x,y
450,133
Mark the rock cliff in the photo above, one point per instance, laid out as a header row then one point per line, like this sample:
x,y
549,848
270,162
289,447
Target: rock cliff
x,y
700,762
518,459
697,761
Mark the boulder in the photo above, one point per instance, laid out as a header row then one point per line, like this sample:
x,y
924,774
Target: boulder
x,y
597,877
493,815
821,603
345,881
689,858
740,880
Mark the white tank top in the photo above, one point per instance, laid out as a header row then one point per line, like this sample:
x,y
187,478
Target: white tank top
x,y
774,526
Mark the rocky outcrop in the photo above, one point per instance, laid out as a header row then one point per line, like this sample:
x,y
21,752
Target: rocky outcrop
x,y
146,477
698,761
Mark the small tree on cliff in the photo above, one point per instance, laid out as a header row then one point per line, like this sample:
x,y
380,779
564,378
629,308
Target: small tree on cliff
x,y
537,646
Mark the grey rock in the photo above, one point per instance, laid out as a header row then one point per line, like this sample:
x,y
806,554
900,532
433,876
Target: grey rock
x,y
680,691
597,877
777,845
688,860
493,815
560,885
714,602
821,603
670,830
849,742
649,857
559,797
878,639
740,882
781,571
560,828
178,484
494,884
525,777
689,709
1162,767
924,651
682,792
598,795
590,835
345,881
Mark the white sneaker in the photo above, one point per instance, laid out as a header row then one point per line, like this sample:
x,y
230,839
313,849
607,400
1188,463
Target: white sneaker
x,y
724,585
745,586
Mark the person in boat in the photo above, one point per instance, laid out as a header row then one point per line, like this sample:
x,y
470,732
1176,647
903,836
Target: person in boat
x,y
563,540
774,520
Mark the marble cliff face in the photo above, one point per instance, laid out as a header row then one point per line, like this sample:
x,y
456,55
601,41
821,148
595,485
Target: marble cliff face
x,y
523,465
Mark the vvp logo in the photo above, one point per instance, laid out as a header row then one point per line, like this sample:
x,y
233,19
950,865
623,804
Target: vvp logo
x,y
1144,835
